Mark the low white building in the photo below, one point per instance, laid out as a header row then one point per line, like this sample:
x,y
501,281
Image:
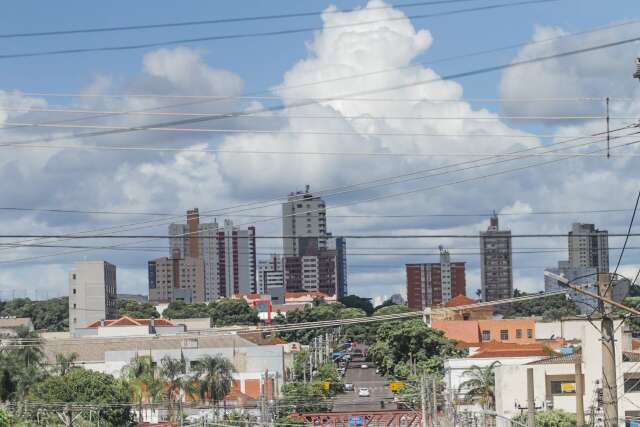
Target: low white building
x,y
554,378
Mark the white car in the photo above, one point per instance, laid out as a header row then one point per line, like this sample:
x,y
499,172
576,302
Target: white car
x,y
364,366
364,392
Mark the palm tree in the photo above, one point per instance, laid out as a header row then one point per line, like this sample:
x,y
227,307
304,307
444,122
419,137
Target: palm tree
x,y
30,354
481,385
64,362
173,373
140,375
214,375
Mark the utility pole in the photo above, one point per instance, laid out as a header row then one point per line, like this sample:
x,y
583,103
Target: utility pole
x,y
434,399
423,400
609,383
579,394
531,403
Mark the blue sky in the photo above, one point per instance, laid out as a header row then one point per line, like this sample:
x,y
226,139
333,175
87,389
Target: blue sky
x,y
68,178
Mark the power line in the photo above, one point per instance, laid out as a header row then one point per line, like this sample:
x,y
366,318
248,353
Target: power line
x,y
222,20
266,33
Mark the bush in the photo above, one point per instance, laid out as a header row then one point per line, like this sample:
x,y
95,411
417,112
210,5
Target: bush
x,y
556,418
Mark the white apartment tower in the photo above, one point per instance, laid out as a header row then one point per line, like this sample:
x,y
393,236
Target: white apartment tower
x,y
92,293
304,220
588,247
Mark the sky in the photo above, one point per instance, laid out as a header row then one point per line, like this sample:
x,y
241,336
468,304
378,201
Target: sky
x,y
350,38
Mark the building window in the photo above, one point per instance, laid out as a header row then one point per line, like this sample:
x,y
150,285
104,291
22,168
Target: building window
x,y
632,383
73,276
518,333
504,334
486,335
563,387
74,291
529,333
74,305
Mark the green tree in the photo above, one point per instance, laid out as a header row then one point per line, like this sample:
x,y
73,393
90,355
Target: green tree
x,y
51,314
5,419
214,376
182,310
30,354
137,310
303,397
143,383
385,303
225,312
550,308
411,343
354,301
64,362
481,385
173,372
555,418
81,386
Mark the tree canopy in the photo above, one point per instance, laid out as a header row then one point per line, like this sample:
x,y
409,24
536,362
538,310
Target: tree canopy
x,y
555,418
408,346
225,312
137,310
354,301
182,310
550,308
84,386
50,315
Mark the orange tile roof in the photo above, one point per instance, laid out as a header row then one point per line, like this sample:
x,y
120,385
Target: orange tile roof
x,y
304,294
459,300
502,349
129,321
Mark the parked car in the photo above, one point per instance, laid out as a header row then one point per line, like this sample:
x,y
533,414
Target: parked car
x,y
364,392
348,387
364,366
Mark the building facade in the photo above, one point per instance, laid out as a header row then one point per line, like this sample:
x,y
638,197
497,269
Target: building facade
x,y
433,284
228,252
588,247
92,293
496,267
304,219
270,274
339,245
176,279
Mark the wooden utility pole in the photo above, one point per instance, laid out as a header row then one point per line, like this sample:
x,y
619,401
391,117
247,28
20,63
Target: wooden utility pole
x,y
579,394
531,403
609,383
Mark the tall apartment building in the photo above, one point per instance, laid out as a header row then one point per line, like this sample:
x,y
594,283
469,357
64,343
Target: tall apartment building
x,y
339,245
434,284
228,252
588,247
176,278
92,293
496,267
304,222
270,274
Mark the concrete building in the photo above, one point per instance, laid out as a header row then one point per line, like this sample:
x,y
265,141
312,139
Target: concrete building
x,y
92,293
434,284
474,333
176,279
10,324
316,272
496,269
228,252
128,327
339,245
270,274
554,378
304,219
588,247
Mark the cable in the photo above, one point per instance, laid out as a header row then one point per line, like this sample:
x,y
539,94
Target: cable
x,y
633,216
223,20
267,33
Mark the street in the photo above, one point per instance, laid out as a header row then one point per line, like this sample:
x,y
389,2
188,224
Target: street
x,y
377,385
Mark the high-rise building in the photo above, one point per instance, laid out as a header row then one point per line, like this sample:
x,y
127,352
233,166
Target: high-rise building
x,y
304,222
176,278
339,245
588,247
228,252
496,262
270,274
314,270
433,284
92,293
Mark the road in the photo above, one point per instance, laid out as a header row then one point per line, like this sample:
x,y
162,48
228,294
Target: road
x,y
377,385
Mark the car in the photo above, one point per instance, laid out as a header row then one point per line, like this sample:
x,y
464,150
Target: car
x,y
364,392
364,366
348,387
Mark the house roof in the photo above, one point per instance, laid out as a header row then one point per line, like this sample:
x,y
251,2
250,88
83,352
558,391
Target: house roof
x,y
558,360
14,322
129,321
502,349
459,300
302,294
237,395
253,296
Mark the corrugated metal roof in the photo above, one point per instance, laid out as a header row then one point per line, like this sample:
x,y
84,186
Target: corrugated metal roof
x,y
558,360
